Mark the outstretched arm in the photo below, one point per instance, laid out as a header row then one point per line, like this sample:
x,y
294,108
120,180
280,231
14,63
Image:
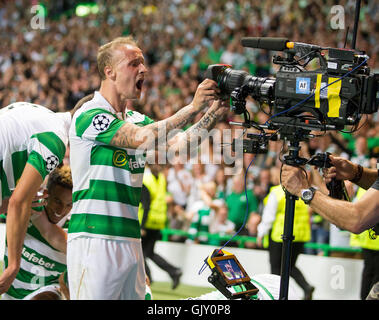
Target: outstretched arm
x,y
17,222
147,137
196,134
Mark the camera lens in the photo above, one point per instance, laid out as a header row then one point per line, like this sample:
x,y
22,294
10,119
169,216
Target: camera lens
x,y
228,80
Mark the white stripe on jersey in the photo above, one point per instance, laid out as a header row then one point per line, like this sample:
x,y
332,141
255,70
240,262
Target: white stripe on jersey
x,y
114,174
72,236
110,208
17,284
44,249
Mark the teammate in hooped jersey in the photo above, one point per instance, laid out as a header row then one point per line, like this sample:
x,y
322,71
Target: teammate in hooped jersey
x,y
33,142
43,262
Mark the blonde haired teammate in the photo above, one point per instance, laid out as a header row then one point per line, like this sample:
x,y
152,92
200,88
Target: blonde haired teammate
x,y
107,147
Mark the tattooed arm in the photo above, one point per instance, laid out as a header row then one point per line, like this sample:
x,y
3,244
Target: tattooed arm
x,y
148,137
195,135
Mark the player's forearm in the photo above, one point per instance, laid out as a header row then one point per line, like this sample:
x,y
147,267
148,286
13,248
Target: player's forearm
x,y
180,119
192,138
17,223
148,137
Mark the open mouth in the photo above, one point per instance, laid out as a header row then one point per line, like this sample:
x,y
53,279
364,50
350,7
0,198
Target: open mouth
x,y
58,215
139,84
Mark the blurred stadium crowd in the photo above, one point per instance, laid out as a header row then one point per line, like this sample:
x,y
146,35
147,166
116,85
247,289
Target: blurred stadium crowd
x,y
56,66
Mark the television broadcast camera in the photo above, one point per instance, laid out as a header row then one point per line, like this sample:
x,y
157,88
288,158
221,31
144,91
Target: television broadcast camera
x,y
329,98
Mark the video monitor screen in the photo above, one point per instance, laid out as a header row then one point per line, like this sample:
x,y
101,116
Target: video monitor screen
x,y
231,269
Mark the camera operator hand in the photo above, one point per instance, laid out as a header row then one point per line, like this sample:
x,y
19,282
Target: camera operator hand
x,y
294,179
342,169
351,216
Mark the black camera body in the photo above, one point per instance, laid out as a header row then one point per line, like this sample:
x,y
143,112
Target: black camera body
x,y
335,95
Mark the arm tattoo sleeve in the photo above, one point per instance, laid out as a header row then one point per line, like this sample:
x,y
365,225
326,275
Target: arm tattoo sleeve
x,y
133,136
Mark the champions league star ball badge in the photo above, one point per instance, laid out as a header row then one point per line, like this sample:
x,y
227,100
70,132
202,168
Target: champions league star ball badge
x,y
101,122
51,163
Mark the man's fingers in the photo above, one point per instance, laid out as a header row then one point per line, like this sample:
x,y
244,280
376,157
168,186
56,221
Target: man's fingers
x,y
211,85
39,203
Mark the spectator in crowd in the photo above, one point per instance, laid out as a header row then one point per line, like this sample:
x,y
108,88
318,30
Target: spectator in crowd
x,y
252,230
199,177
221,224
179,182
202,212
241,204
361,152
221,183
262,186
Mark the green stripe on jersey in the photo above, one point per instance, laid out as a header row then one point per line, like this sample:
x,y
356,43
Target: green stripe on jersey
x,y
5,191
36,160
19,158
18,293
104,225
109,191
51,141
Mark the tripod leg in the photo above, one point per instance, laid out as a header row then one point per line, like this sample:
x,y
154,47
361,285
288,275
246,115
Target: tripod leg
x,y
287,245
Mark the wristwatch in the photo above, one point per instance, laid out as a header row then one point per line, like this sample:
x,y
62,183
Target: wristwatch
x,y
307,194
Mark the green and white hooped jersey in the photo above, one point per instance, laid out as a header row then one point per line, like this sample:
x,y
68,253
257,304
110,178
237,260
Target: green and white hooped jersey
x,y
33,134
41,265
107,181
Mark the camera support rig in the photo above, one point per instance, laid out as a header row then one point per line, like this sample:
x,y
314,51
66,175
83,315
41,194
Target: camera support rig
x,y
293,131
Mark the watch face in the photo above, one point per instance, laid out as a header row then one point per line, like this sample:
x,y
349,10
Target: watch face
x,y
307,195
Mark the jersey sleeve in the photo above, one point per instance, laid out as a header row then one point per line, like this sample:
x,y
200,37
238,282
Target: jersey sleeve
x,y
97,125
138,118
46,152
